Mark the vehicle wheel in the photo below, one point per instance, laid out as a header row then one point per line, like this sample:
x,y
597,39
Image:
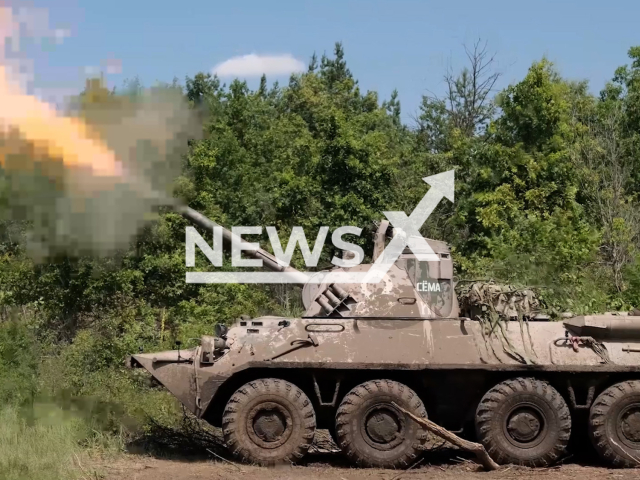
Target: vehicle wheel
x,y
524,421
269,421
374,433
614,424
332,432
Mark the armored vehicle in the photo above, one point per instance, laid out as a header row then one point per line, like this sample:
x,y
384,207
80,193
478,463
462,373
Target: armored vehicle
x,y
518,385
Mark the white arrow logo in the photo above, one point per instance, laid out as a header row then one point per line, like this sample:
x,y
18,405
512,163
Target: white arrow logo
x,y
442,185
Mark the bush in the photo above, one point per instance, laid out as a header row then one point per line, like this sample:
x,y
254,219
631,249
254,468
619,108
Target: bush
x,y
19,360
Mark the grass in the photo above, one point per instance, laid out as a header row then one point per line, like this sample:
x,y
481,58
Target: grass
x,y
73,413
41,445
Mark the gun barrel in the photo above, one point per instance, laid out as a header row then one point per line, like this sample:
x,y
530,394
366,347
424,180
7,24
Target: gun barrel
x,y
269,261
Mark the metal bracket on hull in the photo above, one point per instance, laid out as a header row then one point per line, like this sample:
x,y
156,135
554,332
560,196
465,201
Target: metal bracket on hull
x,y
572,398
332,403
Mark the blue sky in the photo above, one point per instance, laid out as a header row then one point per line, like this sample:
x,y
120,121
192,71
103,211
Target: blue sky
x,y
403,44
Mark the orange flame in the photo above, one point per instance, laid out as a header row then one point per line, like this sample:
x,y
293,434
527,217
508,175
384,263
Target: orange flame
x,y
55,136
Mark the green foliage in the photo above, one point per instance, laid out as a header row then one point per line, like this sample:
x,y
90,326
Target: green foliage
x,y
33,451
519,202
19,362
316,153
546,194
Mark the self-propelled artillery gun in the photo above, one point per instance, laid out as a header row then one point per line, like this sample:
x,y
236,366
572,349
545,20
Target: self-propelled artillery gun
x,y
519,387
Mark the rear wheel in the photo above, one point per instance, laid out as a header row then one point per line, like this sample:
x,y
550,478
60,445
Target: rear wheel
x,y
374,433
614,424
269,421
524,421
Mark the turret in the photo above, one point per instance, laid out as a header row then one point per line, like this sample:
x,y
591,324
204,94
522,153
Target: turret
x,y
412,288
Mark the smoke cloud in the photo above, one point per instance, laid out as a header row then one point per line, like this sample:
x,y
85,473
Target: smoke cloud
x,y
87,182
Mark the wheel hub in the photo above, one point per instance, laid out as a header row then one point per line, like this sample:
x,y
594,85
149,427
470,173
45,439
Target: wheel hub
x,y
269,425
524,426
382,426
630,424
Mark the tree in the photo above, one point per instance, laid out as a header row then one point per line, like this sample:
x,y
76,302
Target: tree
x,y
334,71
607,151
520,198
200,87
467,104
393,108
546,194
608,175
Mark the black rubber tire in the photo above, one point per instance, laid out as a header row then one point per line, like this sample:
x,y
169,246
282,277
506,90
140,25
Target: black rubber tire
x,y
406,437
543,409
607,425
332,432
290,407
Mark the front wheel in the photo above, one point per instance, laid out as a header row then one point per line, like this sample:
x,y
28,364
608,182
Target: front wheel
x,y
269,421
524,421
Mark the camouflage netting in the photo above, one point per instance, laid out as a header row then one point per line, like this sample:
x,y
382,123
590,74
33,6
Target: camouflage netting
x,y
478,299
492,305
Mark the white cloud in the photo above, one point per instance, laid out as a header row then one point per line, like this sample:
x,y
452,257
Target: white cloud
x,y
255,65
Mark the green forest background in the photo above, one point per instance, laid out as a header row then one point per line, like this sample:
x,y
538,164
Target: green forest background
x,y
547,184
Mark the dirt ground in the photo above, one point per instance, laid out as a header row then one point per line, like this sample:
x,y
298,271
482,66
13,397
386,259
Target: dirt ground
x,y
325,462
141,468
